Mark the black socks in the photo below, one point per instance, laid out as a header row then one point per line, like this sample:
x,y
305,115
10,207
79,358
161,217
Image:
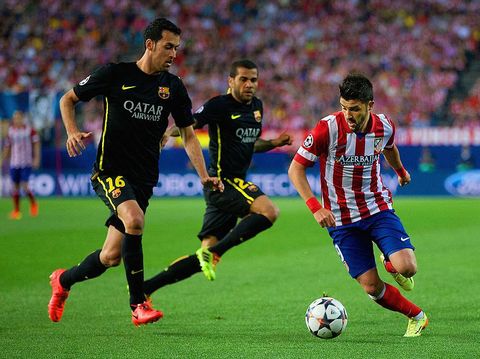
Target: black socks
x,y
89,268
247,228
133,261
181,269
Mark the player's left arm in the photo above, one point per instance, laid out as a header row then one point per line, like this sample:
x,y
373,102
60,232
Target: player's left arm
x,y
262,145
36,155
194,152
392,155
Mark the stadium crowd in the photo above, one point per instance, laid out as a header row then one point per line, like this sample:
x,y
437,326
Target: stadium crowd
x,y
412,50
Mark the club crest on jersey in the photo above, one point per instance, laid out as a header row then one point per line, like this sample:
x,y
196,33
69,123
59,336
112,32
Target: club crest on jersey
x,y
257,115
164,92
378,144
308,141
116,193
252,188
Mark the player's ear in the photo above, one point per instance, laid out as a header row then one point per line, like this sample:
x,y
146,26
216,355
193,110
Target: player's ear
x,y
230,82
149,44
370,105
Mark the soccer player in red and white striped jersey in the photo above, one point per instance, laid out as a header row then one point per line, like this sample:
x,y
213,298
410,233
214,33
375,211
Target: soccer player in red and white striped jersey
x,y
23,149
357,207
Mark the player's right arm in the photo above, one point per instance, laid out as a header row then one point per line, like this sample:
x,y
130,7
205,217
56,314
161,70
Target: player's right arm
x,y
75,137
298,177
315,144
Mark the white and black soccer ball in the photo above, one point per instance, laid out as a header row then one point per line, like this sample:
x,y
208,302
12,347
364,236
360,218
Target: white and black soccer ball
x,y
326,318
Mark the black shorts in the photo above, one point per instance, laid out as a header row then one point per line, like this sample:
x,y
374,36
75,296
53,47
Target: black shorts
x,y
223,209
114,190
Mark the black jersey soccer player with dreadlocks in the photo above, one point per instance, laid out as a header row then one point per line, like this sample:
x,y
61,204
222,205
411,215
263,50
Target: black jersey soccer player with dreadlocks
x,y
234,125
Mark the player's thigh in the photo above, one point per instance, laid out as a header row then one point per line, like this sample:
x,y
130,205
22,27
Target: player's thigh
x,y
216,223
388,233
15,176
237,197
354,249
114,190
263,205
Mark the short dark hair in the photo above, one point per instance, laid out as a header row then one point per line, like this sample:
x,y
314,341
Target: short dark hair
x,y
241,63
356,87
156,27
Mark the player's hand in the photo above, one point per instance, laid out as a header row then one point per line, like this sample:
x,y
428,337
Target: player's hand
x,y
403,181
75,145
213,183
324,217
283,140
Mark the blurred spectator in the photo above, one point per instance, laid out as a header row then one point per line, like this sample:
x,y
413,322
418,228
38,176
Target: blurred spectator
x,y
427,162
413,50
466,160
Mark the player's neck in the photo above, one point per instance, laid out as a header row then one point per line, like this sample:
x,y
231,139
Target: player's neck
x,y
145,65
366,125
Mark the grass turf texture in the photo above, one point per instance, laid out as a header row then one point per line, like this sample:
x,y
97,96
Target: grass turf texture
x,y
256,306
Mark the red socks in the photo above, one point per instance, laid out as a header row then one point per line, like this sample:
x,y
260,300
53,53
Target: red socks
x,y
392,299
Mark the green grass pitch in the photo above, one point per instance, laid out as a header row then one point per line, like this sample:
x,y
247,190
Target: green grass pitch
x,y
255,308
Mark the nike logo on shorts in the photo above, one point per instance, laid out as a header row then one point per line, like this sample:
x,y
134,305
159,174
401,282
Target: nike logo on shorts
x,y
404,239
136,271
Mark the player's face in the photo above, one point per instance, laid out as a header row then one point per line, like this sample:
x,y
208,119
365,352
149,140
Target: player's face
x,y
164,51
244,84
356,113
17,119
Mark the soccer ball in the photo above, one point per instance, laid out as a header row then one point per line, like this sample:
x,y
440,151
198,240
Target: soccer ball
x,y
326,318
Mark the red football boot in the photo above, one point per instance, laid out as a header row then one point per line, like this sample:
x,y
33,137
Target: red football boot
x,y
59,296
144,314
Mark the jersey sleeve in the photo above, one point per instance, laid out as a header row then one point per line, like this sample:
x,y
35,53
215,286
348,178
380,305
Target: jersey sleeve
x,y
182,106
207,113
391,140
314,145
97,83
34,136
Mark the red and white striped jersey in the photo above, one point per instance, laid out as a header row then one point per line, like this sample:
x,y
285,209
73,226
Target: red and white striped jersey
x,y
20,140
352,187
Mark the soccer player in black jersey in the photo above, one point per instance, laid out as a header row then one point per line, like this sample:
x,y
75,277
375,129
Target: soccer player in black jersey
x,y
234,125
138,98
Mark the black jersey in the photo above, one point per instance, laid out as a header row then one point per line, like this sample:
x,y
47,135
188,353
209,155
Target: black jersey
x,y
137,107
233,128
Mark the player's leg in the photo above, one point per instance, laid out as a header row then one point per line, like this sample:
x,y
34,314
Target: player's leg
x,y
130,203
15,178
216,224
181,268
388,233
263,214
398,255
25,176
355,250
94,265
390,298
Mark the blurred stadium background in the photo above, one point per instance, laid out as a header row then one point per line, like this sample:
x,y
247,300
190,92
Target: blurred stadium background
x,y
422,55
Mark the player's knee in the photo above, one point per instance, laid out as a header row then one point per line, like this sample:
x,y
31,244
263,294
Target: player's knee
x,y
271,212
409,271
110,259
407,268
133,222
